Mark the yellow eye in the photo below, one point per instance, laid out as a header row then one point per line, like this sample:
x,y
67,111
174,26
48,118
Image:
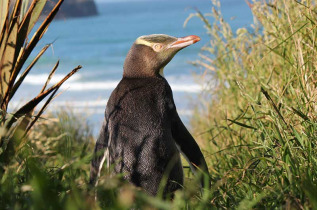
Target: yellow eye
x,y
157,47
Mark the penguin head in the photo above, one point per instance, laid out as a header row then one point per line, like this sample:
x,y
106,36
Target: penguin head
x,y
151,53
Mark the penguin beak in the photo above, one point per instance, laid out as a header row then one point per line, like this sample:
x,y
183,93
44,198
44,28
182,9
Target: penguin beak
x,y
184,41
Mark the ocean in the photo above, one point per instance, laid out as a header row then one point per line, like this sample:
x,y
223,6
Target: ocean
x,y
100,44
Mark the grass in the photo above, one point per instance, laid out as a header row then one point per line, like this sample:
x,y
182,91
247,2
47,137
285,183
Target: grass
x,y
50,170
17,20
259,121
256,120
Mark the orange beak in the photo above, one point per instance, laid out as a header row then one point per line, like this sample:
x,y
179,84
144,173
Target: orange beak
x,y
185,41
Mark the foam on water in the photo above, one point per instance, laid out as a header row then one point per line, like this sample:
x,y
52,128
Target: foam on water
x,y
38,79
75,83
87,107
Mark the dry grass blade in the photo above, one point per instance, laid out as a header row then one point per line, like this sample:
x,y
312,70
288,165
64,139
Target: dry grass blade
x,y
50,76
45,105
32,15
31,105
27,70
27,118
35,101
8,55
29,48
28,22
40,112
4,8
3,38
22,138
200,15
7,62
16,12
28,108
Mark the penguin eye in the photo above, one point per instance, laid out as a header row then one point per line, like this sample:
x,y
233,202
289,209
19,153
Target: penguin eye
x,y
157,47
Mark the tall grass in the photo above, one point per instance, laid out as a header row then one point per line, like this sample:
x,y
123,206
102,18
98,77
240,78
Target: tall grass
x,y
259,122
51,170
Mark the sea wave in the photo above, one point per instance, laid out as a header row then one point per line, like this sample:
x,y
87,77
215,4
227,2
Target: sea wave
x,y
76,83
110,85
91,107
39,79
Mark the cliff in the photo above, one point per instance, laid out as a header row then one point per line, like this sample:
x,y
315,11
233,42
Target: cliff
x,y
73,8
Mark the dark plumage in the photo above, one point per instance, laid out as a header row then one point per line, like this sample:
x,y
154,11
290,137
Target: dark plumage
x,y
142,131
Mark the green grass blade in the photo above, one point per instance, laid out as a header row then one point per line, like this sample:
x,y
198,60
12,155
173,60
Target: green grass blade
x,y
298,138
301,114
242,124
50,76
310,189
268,97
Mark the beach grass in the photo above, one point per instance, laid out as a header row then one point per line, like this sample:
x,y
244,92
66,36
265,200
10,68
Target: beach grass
x,y
257,116
255,122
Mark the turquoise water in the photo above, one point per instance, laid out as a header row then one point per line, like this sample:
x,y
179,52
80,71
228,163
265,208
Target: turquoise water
x,y
101,43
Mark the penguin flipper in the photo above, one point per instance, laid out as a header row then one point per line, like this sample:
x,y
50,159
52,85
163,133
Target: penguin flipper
x,y
99,155
188,147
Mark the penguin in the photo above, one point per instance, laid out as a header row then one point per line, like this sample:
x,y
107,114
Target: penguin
x,y
142,135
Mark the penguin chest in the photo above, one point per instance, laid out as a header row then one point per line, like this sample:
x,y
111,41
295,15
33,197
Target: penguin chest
x,y
141,139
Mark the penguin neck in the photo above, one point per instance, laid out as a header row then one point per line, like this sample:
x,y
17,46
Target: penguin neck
x,y
141,62
139,72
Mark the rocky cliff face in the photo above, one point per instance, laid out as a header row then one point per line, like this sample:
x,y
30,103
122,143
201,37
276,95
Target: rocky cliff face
x,y
73,8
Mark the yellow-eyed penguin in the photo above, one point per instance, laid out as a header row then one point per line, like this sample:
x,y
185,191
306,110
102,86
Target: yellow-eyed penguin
x,y
142,134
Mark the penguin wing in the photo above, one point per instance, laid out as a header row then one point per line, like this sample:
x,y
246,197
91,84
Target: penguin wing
x,y
188,146
100,154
